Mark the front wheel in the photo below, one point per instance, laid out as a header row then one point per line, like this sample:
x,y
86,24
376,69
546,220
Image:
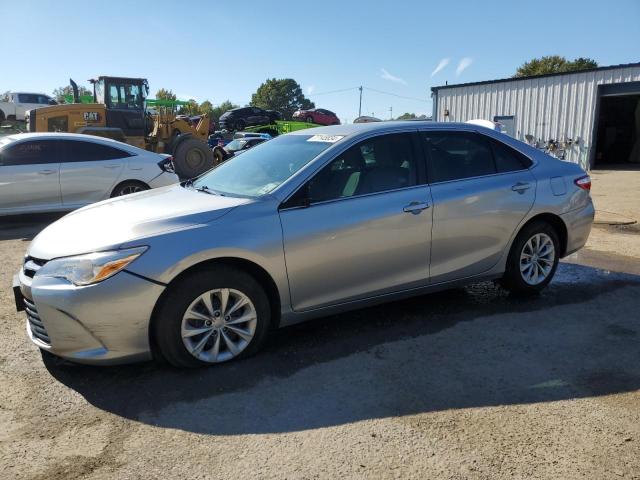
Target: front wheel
x,y
533,259
212,316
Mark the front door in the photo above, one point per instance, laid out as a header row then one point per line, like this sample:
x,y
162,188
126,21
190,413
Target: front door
x,y
482,189
360,227
29,176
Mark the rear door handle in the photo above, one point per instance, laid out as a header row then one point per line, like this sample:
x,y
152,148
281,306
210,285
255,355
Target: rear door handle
x,y
521,187
415,207
46,172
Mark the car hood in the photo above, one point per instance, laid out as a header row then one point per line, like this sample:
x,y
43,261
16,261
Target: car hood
x,y
113,222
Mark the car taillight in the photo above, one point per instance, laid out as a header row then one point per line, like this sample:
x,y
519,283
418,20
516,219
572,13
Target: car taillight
x,y
166,165
583,182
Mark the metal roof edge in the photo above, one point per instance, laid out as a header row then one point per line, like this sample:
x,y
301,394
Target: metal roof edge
x,y
517,79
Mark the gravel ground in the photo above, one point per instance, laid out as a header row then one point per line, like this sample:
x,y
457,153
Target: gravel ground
x,y
469,383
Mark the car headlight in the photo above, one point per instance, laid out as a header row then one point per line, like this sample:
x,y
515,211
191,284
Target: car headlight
x,y
92,267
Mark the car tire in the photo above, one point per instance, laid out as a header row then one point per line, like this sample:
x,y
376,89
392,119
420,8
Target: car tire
x,y
1,116
218,155
192,157
309,119
533,259
129,187
240,125
172,329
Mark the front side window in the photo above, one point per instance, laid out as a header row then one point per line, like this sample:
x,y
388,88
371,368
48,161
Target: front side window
x,y
375,165
29,153
125,96
457,155
260,170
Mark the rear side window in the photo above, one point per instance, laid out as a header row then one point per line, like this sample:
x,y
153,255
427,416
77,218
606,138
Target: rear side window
x,y
457,155
79,151
29,153
508,159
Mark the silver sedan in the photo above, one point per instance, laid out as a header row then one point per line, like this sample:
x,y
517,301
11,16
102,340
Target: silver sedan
x,y
308,224
49,172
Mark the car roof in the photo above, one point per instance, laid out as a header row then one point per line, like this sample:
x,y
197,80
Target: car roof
x,y
358,128
70,136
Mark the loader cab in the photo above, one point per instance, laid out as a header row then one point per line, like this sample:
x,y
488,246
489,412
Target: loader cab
x,y
124,99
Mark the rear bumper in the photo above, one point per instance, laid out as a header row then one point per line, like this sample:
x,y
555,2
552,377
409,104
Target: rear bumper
x,y
578,224
164,179
106,323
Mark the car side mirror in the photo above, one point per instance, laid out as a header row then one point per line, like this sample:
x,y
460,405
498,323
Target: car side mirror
x,y
52,102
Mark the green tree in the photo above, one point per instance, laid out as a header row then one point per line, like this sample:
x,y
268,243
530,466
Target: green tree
x,y
283,95
206,108
61,92
191,108
554,64
164,94
411,116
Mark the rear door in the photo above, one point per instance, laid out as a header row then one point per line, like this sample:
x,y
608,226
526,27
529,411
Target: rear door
x,y
482,189
89,171
363,228
29,176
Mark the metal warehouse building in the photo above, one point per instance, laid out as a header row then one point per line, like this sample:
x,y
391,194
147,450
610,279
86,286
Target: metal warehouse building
x,y
594,114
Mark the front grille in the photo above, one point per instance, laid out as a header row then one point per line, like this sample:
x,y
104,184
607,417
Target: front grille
x,y
32,265
35,324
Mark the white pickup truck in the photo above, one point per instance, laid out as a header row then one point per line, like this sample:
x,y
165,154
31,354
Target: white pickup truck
x,y
20,102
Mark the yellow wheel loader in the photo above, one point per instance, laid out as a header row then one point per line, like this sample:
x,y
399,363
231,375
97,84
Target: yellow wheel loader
x,y
118,112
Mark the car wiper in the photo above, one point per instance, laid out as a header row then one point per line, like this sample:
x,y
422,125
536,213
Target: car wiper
x,y
206,189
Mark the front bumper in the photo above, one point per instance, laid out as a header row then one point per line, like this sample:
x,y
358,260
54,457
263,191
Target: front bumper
x,y
105,323
578,224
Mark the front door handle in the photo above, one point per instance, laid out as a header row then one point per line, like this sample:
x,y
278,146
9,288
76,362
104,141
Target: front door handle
x,y
521,187
111,167
46,172
416,207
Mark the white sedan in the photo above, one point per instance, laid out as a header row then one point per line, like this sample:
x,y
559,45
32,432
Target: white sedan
x,y
47,172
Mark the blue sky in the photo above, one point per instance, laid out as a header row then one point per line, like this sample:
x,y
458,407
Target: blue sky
x,y
223,50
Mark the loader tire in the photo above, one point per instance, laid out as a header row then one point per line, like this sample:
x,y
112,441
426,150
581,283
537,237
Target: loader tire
x,y
192,157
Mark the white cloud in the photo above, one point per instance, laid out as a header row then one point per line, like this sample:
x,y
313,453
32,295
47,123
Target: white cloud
x,y
311,89
443,63
463,65
392,78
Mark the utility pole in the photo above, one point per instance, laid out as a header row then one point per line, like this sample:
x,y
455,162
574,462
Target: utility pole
x,y
360,106
390,113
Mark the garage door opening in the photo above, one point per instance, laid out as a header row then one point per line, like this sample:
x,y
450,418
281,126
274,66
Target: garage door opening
x,y
618,132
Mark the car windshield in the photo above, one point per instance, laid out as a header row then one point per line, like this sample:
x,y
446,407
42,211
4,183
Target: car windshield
x,y
261,169
235,145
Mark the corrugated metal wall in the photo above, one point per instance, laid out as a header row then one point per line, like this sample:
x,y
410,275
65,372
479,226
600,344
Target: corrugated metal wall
x,y
555,107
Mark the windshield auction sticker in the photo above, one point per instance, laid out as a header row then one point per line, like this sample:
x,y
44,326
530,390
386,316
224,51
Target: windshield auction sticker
x,y
325,138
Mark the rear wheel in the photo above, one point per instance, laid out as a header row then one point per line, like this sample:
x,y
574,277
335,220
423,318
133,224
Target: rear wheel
x,y
212,316
192,157
309,119
128,187
240,125
533,259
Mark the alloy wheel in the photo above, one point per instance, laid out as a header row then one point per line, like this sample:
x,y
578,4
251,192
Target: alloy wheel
x,y
537,259
218,325
130,189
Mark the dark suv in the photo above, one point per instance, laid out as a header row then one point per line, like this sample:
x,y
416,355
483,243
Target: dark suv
x,y
239,118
